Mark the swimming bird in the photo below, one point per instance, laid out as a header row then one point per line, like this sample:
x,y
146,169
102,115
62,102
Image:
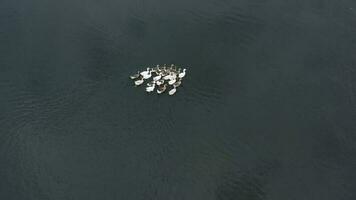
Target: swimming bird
x,y
150,88
146,74
177,84
135,76
151,83
167,77
172,81
156,78
161,89
157,69
170,76
160,82
139,81
172,91
182,74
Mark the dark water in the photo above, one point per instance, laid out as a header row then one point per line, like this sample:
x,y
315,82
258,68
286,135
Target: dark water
x,y
267,110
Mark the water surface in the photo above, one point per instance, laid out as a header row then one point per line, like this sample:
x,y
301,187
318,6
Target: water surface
x,y
267,110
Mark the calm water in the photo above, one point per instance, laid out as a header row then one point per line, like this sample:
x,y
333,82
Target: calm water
x,y
267,110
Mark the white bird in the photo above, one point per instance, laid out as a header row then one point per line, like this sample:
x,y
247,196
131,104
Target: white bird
x,y
135,76
172,81
177,84
157,69
167,77
139,82
174,75
161,89
150,83
150,88
182,74
172,91
160,82
170,76
146,74
156,78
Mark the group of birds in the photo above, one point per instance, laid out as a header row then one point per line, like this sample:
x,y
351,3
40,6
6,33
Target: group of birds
x,y
163,78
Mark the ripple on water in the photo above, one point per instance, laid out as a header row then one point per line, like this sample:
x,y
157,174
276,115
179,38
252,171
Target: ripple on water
x,y
39,107
211,81
208,88
231,22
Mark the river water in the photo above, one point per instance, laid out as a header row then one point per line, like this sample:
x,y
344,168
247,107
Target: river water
x,y
267,109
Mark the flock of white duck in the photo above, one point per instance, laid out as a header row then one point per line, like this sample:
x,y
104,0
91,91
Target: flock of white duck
x,y
163,78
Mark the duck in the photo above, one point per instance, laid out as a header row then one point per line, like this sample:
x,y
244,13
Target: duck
x,y
146,74
182,74
156,70
167,77
160,82
174,75
172,81
135,76
161,89
139,81
172,91
177,84
150,88
170,76
151,83
156,78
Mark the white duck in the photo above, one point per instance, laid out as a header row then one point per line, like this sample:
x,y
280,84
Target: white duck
x,y
172,81
151,83
146,74
170,76
167,77
156,78
172,91
182,74
139,82
177,84
160,82
161,89
135,76
150,88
